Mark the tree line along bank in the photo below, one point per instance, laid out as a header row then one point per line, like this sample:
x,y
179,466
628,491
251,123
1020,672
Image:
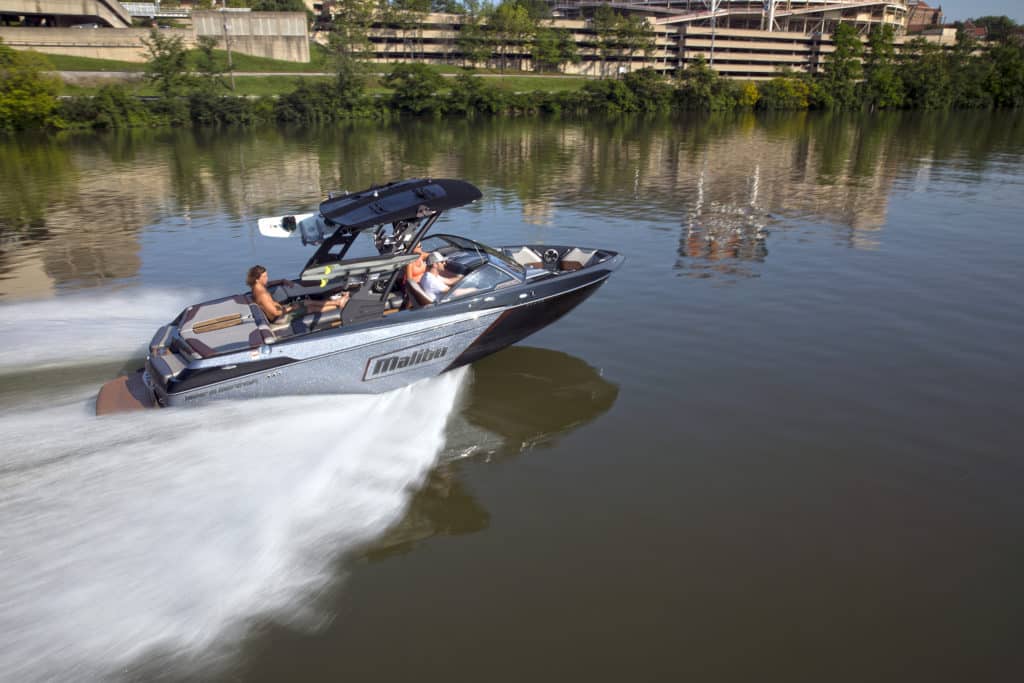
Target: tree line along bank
x,y
194,89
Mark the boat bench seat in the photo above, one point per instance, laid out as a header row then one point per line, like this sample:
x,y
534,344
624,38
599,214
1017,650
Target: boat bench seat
x,y
166,364
262,325
527,257
307,323
576,258
416,297
223,326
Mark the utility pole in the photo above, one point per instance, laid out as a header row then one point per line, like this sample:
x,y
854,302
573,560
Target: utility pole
x,y
227,43
713,5
769,6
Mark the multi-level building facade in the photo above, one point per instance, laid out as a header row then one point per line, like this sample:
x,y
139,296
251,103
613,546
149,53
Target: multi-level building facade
x,y
749,39
738,38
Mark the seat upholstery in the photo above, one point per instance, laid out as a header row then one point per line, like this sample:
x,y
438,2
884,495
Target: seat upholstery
x,y
525,256
416,296
220,326
307,323
262,324
577,258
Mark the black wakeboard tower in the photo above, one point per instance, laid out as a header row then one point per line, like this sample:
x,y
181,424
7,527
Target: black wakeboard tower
x,y
410,207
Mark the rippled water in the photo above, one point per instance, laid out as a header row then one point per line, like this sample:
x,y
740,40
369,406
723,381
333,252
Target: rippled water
x,y
785,439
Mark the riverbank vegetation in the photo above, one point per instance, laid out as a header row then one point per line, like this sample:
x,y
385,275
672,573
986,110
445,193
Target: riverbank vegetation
x,y
196,87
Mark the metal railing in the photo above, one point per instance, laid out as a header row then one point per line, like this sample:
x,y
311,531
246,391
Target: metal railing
x,y
153,9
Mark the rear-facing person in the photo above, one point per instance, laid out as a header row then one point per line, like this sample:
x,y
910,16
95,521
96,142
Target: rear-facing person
x,y
257,279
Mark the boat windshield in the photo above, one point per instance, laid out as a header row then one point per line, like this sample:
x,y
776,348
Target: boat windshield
x,y
443,243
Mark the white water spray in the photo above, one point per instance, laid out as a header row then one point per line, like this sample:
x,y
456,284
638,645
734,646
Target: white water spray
x,y
167,531
81,329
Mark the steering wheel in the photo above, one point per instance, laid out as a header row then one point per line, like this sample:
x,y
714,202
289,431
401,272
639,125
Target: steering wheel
x,y
550,257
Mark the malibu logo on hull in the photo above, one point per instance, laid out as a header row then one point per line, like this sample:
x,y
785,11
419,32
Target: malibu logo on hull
x,y
382,366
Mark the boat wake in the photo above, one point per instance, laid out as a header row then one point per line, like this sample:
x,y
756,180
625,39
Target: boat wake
x,y
167,533
81,330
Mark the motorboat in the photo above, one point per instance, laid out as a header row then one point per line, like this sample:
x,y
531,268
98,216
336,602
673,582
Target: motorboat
x,y
390,333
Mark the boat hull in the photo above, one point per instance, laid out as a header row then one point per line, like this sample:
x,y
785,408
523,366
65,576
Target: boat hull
x,y
373,357
517,323
360,368
354,362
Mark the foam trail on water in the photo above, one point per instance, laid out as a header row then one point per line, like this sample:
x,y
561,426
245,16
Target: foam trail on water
x,y
81,329
165,531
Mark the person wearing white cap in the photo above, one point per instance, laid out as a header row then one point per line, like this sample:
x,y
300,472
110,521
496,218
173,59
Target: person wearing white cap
x,y
433,282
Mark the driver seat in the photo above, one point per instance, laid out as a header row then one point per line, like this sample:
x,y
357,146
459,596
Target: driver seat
x,y
415,296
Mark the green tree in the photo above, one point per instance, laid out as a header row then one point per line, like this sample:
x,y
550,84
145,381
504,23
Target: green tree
x,y
350,36
843,69
1006,81
553,47
209,66
653,93
633,35
513,29
998,28
700,87
409,16
113,106
784,92
473,40
415,87
925,74
537,9
620,36
28,97
968,73
882,86
470,94
748,95
447,6
310,102
278,6
604,22
167,64
611,96
349,83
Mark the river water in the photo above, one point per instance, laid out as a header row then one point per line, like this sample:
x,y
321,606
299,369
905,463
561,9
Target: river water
x,y
785,441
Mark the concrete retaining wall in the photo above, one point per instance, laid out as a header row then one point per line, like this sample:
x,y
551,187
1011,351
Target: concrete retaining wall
x,y
124,44
278,35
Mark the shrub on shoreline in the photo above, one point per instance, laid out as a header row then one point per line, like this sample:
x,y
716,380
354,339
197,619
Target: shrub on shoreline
x,y
927,78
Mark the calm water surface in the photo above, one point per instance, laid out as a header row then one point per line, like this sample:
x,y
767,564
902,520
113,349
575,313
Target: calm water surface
x,y
785,442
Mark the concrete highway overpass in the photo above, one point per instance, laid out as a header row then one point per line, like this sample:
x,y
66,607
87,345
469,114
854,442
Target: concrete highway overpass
x,y
64,13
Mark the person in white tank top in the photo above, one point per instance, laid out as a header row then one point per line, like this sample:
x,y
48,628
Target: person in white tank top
x,y
433,283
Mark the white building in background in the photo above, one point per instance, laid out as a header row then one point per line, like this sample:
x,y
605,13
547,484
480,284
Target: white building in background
x,y
792,16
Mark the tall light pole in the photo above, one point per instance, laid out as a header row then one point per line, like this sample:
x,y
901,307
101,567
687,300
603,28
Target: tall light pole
x,y
227,43
713,5
769,8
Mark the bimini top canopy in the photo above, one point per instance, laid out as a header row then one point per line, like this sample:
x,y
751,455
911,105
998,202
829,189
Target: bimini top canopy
x,y
398,201
403,200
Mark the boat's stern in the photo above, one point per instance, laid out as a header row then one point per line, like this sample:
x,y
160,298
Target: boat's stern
x,y
196,347
125,394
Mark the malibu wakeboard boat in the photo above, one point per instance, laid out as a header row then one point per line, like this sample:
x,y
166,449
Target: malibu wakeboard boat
x,y
391,333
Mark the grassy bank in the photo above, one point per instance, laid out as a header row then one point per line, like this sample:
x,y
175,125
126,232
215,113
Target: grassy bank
x,y
279,83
